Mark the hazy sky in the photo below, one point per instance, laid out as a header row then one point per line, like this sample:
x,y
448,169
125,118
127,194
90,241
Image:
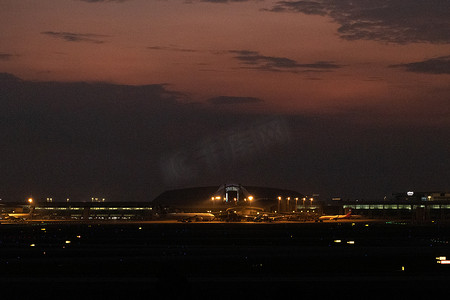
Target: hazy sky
x,y
126,98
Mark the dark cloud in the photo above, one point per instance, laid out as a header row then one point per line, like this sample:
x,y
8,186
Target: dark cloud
x,y
233,100
77,37
439,65
5,56
279,64
397,21
306,7
83,140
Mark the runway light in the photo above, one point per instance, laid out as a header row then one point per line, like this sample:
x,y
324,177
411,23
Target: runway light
x,y
351,242
68,242
32,245
442,260
337,241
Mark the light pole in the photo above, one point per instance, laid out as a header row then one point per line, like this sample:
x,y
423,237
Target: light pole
x,y
31,201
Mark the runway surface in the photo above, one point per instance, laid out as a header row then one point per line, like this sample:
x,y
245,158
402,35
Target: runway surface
x,y
223,260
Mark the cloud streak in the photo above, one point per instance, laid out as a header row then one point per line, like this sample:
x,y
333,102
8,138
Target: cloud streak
x,y
396,21
6,56
257,61
439,65
76,37
227,100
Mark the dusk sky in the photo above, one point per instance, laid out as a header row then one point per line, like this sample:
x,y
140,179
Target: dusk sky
x,y
124,99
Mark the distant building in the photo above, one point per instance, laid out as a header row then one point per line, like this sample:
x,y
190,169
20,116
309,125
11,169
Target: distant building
x,y
415,206
94,211
410,206
228,195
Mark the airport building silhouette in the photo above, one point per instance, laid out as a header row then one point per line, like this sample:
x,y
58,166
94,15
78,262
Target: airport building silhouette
x,y
415,206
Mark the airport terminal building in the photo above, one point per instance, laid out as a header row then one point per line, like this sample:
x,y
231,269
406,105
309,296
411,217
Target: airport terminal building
x,y
415,206
411,206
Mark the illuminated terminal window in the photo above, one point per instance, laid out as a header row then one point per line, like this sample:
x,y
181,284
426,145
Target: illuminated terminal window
x,y
391,206
404,206
377,206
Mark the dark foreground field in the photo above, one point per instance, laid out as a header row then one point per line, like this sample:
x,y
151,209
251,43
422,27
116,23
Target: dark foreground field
x,y
218,261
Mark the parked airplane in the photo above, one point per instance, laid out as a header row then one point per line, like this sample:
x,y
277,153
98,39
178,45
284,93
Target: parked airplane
x,y
336,217
243,213
20,216
190,217
17,216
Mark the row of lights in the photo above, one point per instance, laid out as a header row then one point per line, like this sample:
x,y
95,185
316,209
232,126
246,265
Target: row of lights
x,y
50,199
249,198
296,199
311,199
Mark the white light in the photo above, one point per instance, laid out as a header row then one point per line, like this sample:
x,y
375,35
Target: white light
x,y
410,193
351,242
442,260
